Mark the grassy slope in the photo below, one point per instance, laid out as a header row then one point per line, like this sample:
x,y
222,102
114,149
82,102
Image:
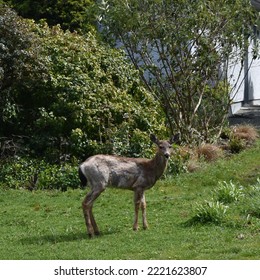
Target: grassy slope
x,y
49,224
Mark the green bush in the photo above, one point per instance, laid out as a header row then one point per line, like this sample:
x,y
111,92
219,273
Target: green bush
x,y
70,14
71,95
236,145
22,72
97,101
34,174
177,163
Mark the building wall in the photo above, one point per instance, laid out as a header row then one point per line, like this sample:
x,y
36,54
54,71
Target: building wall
x,y
254,83
247,86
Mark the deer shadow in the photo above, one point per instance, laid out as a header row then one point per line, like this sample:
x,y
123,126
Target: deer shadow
x,y
65,237
53,238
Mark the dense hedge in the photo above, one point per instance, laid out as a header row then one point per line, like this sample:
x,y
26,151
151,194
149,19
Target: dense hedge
x,y
68,95
31,174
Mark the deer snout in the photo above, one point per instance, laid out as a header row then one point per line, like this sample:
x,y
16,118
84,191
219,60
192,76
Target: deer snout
x,y
167,155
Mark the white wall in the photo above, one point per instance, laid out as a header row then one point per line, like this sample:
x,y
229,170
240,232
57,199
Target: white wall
x,y
251,83
254,83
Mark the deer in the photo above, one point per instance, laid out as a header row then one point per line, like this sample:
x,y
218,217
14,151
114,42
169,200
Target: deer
x,y
135,174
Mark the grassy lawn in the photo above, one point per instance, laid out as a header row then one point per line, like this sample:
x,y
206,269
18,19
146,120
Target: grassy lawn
x,y
50,225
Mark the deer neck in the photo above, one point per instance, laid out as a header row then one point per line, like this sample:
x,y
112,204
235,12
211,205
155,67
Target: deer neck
x,y
159,164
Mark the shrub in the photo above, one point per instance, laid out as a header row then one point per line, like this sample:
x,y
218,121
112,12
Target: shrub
x,y
17,173
189,157
236,145
22,71
228,192
71,95
177,163
61,177
70,14
34,174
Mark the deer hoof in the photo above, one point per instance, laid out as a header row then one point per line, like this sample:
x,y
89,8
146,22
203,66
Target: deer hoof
x,y
90,234
135,227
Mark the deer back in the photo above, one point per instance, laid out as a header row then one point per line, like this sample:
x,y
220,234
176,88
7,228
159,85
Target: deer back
x,y
118,172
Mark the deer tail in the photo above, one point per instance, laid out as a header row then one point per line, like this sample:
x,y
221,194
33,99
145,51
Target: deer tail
x,y
82,178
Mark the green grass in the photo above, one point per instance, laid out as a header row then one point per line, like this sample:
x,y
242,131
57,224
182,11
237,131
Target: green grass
x,y
50,225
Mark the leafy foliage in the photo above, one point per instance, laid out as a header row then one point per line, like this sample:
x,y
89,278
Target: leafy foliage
x,y
96,96
69,94
70,14
31,174
22,72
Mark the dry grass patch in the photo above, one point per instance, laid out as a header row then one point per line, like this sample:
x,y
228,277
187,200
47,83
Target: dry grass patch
x,y
235,140
210,152
245,132
193,165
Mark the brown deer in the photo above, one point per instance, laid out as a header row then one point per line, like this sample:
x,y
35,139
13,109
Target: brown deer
x,y
136,174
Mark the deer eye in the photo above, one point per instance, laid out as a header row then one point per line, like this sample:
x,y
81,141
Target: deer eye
x,y
161,146
170,146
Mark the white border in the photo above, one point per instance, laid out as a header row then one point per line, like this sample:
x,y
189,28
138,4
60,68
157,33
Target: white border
x,y
46,270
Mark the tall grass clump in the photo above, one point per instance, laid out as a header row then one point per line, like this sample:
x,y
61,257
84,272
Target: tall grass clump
x,y
251,206
228,192
245,132
242,136
215,210
254,190
210,212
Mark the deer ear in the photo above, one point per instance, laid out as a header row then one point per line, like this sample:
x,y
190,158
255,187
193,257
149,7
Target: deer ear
x,y
154,139
175,139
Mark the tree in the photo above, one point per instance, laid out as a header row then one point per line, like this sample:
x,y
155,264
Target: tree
x,y
70,14
181,49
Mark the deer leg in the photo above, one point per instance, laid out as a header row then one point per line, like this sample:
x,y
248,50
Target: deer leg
x,y
87,205
143,207
137,202
94,224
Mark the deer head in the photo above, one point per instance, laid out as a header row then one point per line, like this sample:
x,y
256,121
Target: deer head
x,y
164,146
